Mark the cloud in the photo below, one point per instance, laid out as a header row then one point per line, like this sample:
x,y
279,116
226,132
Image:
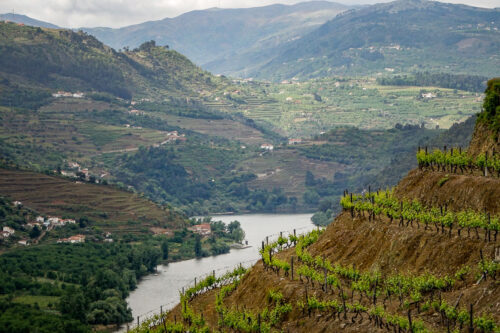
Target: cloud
x,y
117,13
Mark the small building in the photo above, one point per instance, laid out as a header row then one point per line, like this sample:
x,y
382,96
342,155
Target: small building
x,y
8,230
266,146
203,229
174,136
40,219
294,141
74,165
24,242
53,220
136,112
428,95
73,239
17,203
34,224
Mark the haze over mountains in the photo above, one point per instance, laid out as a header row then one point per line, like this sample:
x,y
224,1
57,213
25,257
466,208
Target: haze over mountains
x,y
309,39
27,20
226,40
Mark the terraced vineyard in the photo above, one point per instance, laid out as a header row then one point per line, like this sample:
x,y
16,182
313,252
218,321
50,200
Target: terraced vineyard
x,y
112,209
310,107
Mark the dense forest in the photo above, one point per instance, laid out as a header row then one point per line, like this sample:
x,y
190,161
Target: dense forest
x,y
208,185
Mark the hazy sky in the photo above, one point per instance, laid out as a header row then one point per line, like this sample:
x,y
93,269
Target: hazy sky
x,y
116,13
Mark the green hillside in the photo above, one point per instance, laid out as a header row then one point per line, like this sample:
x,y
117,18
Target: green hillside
x,y
47,60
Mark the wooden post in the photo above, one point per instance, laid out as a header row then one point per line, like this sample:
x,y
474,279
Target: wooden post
x,y
137,321
127,328
324,272
262,245
425,150
294,233
291,264
195,282
486,164
471,320
213,272
258,320
161,310
409,321
267,240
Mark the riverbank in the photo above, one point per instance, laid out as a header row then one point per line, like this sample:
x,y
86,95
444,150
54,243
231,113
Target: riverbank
x,y
162,290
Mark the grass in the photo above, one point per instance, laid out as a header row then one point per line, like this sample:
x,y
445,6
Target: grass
x,y
443,180
42,301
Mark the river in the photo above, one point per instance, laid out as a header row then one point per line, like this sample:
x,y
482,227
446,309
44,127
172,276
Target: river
x,y
162,289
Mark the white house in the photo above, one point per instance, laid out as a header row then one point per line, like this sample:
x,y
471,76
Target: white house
x,y
8,230
17,203
54,220
73,239
266,146
203,229
428,95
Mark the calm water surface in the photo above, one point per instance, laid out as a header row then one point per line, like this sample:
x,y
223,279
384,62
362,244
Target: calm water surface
x,y
163,289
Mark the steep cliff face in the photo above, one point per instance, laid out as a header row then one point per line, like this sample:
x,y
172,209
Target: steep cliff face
x,y
486,136
484,140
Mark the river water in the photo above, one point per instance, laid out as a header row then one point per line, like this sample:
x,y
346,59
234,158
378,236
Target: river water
x,y
162,289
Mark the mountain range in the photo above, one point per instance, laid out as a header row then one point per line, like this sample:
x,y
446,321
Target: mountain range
x,y
226,40
320,38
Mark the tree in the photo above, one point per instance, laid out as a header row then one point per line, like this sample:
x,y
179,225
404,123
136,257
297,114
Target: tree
x,y
310,179
164,249
35,232
235,231
73,303
197,246
311,197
